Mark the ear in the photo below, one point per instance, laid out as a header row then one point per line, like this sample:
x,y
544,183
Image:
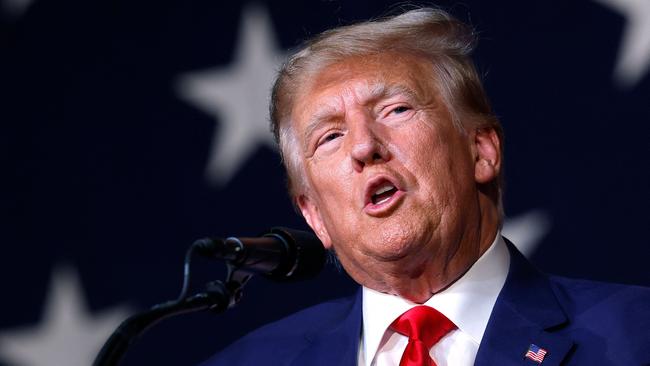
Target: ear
x,y
313,217
487,152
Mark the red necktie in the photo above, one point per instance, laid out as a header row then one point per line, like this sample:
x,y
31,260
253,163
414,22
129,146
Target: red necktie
x,y
424,326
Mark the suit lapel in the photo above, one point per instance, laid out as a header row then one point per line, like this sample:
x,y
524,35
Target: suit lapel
x,y
336,344
526,313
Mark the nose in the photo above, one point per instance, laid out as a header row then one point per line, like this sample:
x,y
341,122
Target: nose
x,y
367,147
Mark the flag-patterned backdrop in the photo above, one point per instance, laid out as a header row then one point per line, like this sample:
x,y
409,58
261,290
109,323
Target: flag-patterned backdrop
x,y
131,128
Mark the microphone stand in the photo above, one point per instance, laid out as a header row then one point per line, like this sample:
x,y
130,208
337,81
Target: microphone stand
x,y
217,297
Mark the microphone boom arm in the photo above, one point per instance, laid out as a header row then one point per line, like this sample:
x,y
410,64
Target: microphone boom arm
x,y
217,297
282,255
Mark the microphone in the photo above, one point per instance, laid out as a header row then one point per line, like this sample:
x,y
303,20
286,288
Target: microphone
x,y
282,254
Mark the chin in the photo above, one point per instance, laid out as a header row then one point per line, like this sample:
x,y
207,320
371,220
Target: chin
x,y
394,244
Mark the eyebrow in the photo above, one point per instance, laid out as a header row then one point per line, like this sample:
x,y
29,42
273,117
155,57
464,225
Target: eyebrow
x,y
316,120
382,90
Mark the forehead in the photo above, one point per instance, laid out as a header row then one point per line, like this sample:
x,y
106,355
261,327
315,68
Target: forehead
x,y
362,78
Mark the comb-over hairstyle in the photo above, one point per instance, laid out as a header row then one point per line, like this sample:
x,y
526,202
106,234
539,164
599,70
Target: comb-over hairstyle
x,y
428,33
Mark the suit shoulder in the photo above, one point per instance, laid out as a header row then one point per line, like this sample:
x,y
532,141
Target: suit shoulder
x,y
586,294
613,309
307,320
283,339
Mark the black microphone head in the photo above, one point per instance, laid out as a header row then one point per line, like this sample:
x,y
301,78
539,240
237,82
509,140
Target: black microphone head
x,y
308,255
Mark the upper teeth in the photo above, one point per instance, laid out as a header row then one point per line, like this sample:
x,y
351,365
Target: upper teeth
x,y
384,188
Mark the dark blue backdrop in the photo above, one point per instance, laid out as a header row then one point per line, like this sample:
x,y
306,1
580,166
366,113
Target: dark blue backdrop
x,y
120,145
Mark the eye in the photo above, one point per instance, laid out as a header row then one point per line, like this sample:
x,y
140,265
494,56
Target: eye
x,y
330,136
394,109
400,109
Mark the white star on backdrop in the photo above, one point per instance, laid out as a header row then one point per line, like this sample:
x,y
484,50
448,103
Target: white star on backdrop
x,y
68,334
634,54
238,96
527,230
16,8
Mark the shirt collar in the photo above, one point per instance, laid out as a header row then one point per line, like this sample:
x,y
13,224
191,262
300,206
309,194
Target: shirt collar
x,y
468,302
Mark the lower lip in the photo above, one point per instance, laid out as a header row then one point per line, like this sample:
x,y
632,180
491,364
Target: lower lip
x,y
385,207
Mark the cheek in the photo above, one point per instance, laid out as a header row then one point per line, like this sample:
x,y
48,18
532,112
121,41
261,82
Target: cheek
x,y
331,181
420,150
437,160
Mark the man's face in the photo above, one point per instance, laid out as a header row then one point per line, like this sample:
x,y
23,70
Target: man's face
x,y
390,180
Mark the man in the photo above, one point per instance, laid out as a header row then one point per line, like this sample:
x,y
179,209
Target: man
x,y
394,159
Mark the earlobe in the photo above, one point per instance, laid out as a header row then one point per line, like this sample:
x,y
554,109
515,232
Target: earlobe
x,y
487,155
312,215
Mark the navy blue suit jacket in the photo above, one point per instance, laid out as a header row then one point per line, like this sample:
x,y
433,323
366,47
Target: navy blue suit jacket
x,y
578,323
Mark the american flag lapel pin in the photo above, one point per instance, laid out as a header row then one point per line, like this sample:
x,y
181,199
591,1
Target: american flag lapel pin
x,y
536,353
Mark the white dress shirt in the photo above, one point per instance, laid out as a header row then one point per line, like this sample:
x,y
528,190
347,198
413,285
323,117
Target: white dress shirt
x,y
468,303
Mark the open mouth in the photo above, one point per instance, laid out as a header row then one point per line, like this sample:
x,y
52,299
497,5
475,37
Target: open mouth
x,y
383,193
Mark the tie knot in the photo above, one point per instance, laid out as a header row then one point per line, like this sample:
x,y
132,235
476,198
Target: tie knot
x,y
424,324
